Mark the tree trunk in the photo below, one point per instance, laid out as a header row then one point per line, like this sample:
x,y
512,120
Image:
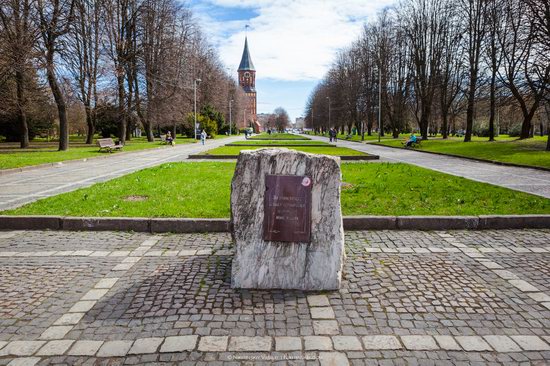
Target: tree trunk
x,y
470,109
444,124
90,124
22,114
121,109
59,101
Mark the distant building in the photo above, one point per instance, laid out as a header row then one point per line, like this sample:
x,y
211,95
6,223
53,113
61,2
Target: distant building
x,y
300,123
247,81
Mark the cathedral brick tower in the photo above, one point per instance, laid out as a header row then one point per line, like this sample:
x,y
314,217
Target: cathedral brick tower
x,y
247,81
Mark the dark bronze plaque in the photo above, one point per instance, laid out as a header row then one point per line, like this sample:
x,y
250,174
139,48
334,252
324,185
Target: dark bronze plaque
x,y
287,208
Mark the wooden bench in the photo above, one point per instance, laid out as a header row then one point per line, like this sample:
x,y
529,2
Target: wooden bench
x,y
108,144
418,143
163,139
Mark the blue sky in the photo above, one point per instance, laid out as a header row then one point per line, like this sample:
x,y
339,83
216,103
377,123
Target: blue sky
x,y
292,42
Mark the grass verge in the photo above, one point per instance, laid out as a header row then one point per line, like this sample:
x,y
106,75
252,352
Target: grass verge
x,y
276,136
529,152
42,153
333,151
279,142
203,190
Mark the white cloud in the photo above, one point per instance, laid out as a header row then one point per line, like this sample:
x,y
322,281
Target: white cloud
x,y
289,40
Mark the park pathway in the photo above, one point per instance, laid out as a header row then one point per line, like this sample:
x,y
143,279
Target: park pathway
x,y
520,179
19,188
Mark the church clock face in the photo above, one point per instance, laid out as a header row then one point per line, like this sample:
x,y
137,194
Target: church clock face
x,y
247,74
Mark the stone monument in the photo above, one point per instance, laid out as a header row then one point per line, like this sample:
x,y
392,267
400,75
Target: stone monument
x,y
287,221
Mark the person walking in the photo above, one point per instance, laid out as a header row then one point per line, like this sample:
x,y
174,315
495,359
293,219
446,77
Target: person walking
x,y
203,136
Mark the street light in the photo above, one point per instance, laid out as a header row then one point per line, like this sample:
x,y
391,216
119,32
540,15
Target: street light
x,y
195,94
230,103
329,125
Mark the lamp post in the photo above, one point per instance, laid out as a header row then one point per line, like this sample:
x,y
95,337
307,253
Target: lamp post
x,y
230,103
195,95
379,102
329,125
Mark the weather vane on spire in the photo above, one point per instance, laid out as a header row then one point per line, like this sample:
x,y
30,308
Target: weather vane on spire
x,y
246,29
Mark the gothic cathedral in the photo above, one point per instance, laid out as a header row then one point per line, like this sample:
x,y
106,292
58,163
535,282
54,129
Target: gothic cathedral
x,y
247,81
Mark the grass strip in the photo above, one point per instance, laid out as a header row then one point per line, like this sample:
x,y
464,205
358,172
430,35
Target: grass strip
x,y
202,190
333,151
47,153
529,152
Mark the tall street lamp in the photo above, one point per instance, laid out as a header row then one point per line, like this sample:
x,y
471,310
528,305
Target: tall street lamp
x,y
230,103
195,93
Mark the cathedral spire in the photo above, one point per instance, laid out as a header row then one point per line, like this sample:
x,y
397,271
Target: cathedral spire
x,y
246,61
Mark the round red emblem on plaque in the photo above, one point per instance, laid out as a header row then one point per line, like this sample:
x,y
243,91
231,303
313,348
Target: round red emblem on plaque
x,y
306,182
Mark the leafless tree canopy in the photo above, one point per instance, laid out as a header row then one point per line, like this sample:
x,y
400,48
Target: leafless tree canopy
x,y
441,66
138,58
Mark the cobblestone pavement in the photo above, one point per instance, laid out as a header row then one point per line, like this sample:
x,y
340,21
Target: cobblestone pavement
x,y
521,179
19,188
408,297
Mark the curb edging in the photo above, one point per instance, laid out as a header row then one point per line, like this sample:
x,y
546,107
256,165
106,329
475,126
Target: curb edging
x,y
191,225
234,157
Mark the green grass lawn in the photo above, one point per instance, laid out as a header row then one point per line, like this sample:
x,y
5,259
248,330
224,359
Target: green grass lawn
x,y
203,190
529,152
373,137
46,152
275,136
280,142
328,150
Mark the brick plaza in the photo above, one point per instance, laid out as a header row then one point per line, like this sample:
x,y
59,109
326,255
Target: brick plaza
x,y
408,297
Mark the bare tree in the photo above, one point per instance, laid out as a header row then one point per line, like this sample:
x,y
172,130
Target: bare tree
x,y
83,56
55,18
18,36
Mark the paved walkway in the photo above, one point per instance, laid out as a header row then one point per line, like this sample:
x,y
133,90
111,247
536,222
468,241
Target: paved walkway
x,y
520,179
429,298
19,188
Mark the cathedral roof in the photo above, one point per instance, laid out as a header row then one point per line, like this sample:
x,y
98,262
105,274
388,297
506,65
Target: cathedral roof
x,y
246,61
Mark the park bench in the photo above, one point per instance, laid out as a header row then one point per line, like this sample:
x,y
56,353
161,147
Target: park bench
x,y
108,144
163,139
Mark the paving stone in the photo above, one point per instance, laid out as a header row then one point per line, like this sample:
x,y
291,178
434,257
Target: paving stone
x,y
213,344
347,343
250,344
145,345
100,253
55,348
2,344
507,275
317,343
419,342
82,306
56,332
322,313
179,343
381,342
24,361
318,300
288,344
85,348
114,348
94,294
492,265
531,343
119,253
326,327
333,359
502,343
546,305
106,283
123,267
131,259
69,319
185,253
473,343
447,343
523,286
21,348
539,296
